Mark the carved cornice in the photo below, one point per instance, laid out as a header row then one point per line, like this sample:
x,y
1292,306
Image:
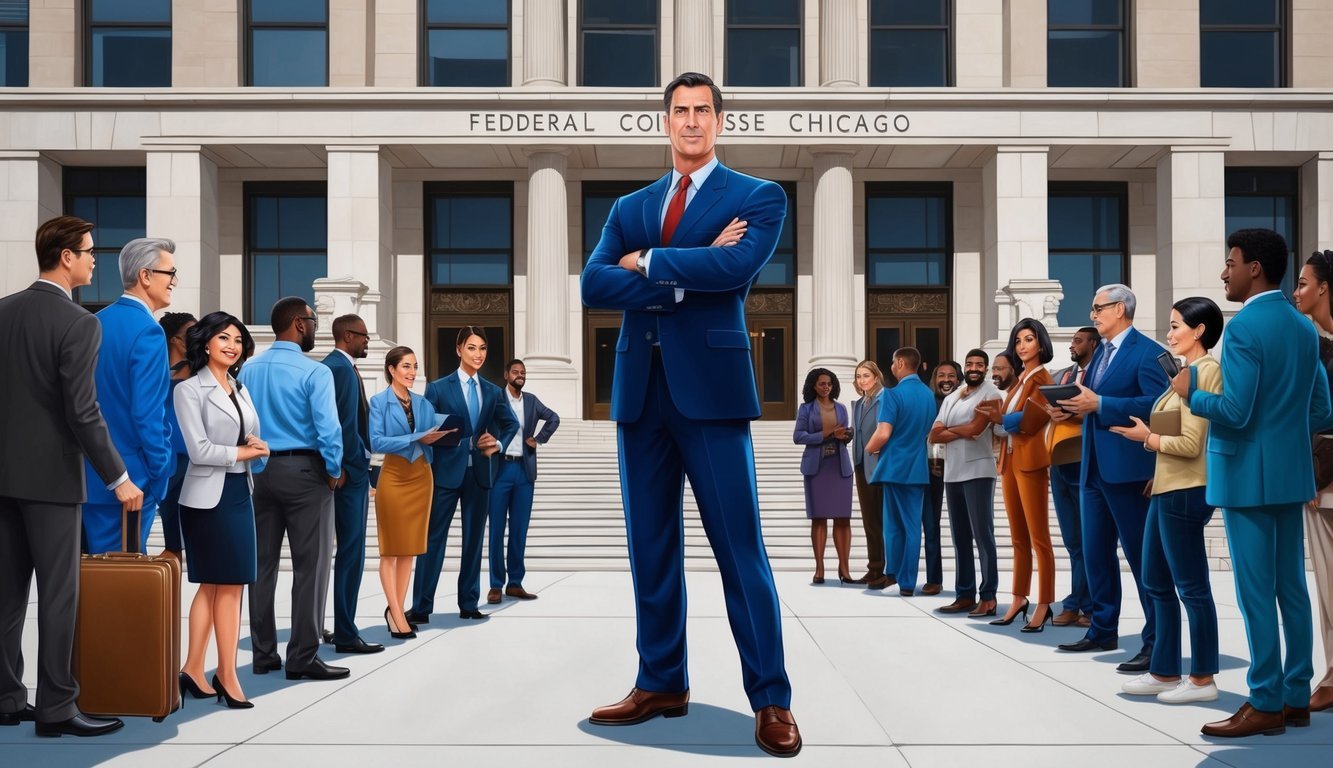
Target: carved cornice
x,y
779,303
470,303
908,303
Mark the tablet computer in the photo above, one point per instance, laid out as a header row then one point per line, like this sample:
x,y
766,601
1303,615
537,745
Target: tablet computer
x,y
451,421
1057,392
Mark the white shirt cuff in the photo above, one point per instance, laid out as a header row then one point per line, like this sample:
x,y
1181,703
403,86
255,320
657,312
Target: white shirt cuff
x,y
116,483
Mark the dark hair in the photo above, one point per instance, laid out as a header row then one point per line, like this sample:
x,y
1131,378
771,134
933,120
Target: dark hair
x,y
981,353
173,322
513,363
1198,310
912,355
1088,331
957,369
1008,358
344,323
286,311
210,325
56,235
393,358
1046,352
1322,264
1264,246
693,80
470,330
808,391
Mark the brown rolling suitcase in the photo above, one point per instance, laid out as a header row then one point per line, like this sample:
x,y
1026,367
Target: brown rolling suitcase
x,y
127,643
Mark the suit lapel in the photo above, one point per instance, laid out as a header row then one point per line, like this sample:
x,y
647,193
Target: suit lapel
x,y
1121,353
707,196
652,209
529,425
453,389
216,396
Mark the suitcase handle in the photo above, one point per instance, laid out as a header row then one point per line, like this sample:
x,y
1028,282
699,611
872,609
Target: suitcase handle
x,y
125,531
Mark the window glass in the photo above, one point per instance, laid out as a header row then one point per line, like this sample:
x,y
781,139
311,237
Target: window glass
x,y
471,239
467,11
1224,12
289,10
909,58
618,42
1239,59
130,10
620,12
1265,198
289,57
287,245
763,43
909,12
1085,234
781,269
113,199
468,57
907,237
131,58
1083,12
1085,44
764,11
13,58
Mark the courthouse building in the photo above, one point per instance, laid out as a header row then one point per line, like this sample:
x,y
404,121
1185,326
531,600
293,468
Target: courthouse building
x,y
950,165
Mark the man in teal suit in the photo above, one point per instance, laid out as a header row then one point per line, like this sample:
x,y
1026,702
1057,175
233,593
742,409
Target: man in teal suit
x,y
1274,396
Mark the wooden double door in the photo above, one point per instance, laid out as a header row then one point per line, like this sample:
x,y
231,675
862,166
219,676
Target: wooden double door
x,y
908,319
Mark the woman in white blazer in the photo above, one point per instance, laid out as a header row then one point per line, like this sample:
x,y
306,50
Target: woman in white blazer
x,y
221,431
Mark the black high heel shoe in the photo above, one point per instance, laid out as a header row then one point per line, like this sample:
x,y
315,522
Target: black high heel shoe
x,y
1010,618
393,631
817,580
1040,625
231,703
847,579
188,685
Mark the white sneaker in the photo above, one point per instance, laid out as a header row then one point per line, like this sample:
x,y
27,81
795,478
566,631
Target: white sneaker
x,y
1147,685
1188,693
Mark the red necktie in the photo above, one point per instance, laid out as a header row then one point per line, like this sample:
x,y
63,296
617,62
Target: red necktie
x,y
674,211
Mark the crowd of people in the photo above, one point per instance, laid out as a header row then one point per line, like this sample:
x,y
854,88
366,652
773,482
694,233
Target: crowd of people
x,y
1139,447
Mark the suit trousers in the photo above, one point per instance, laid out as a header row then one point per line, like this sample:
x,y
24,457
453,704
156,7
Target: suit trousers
x,y
932,509
1112,511
1025,502
657,452
291,498
102,524
902,531
972,518
871,498
351,506
475,501
40,537
169,509
1175,560
1066,494
510,497
1319,530
1267,555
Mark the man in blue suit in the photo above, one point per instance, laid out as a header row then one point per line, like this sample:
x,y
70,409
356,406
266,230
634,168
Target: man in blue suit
x,y
351,499
463,473
1274,395
677,258
1123,381
133,380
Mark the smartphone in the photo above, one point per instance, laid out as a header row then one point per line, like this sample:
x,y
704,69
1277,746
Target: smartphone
x,y
1169,364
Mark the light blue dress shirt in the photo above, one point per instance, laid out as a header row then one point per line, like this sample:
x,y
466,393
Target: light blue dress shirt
x,y
294,397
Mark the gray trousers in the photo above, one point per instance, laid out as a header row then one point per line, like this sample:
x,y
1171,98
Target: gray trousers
x,y
291,497
40,537
972,518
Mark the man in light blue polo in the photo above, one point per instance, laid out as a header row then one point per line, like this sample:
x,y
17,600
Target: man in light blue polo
x,y
294,489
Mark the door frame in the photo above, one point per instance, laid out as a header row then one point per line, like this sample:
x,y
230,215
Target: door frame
x,y
593,321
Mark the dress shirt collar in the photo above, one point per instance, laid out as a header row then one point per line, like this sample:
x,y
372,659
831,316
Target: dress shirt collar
x,y
463,378
62,288
697,178
287,345
1258,295
344,354
1119,340
513,399
142,303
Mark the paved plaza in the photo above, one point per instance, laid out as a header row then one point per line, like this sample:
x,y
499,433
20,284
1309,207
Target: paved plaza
x,y
879,680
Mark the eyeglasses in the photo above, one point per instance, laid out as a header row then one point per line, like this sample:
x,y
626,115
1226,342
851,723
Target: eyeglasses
x,y
314,321
171,273
358,333
81,250
1097,308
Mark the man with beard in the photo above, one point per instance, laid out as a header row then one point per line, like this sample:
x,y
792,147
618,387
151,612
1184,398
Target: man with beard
x,y
511,496
945,381
1002,372
293,492
1077,607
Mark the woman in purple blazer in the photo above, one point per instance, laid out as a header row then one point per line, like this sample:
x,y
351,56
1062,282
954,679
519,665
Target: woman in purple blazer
x,y
822,427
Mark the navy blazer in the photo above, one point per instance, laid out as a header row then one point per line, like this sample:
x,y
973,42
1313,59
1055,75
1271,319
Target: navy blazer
x,y
534,410
133,381
451,463
810,433
705,331
1129,387
389,432
353,414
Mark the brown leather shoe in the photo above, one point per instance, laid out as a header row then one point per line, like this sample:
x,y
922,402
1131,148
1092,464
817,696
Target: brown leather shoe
x,y
961,605
519,592
1296,717
776,733
1065,619
883,582
1322,698
932,589
1084,620
493,596
1247,722
639,706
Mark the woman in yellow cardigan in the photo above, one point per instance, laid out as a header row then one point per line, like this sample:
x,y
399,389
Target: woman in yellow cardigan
x,y
1174,557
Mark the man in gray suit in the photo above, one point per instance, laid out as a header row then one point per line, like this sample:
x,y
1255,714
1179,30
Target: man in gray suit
x,y
48,352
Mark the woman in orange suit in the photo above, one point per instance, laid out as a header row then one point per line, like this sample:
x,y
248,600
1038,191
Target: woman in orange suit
x,y
1024,471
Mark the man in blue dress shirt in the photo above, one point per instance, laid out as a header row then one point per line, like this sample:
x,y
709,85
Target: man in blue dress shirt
x,y
294,489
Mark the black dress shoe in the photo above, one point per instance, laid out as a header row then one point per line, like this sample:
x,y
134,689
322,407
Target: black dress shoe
x,y
265,666
472,614
26,715
1088,644
1137,664
414,617
318,670
326,636
358,646
81,725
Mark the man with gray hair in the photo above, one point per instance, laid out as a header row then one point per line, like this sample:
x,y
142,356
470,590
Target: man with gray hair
x,y
133,381
1123,381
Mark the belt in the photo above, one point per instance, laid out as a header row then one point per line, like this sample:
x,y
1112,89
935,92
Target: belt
x,y
507,457
294,452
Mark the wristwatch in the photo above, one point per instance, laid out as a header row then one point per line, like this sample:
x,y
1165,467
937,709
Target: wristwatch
x,y
641,264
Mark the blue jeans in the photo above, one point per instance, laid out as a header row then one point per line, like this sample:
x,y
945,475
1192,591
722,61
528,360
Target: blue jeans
x,y
1174,560
972,517
511,497
1065,491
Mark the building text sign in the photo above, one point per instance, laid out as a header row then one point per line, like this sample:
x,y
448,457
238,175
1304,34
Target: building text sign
x,y
784,124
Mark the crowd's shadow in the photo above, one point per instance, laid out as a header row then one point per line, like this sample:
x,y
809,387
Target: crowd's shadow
x,y
707,730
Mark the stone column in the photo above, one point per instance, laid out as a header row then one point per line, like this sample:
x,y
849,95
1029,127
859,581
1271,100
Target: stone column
x,y
1316,204
833,342
182,204
694,36
1191,225
54,39
1015,238
30,193
360,260
839,44
543,42
546,354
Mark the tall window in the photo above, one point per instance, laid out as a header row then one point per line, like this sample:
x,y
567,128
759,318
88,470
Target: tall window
x,y
1086,44
910,43
1087,238
908,230
763,43
286,243
13,43
466,43
471,236
619,42
288,43
113,200
780,271
128,44
1242,43
1267,198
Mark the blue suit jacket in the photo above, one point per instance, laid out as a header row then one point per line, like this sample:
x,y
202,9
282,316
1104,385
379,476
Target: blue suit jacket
x,y
910,408
534,410
706,331
1129,387
809,432
389,432
451,464
133,381
1274,396
351,410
